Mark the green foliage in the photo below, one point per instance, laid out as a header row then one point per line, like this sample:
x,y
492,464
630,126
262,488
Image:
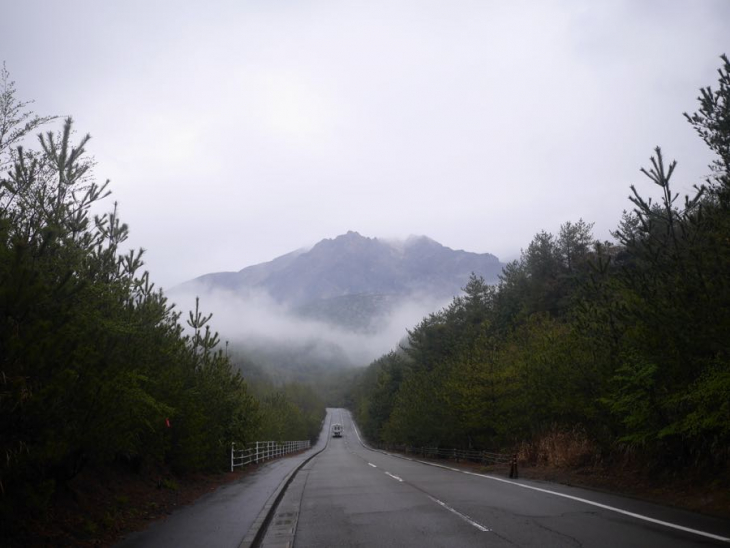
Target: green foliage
x,y
94,365
292,412
712,123
634,399
708,406
627,342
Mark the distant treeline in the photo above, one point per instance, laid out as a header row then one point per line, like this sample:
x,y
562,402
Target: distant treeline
x,y
95,366
625,345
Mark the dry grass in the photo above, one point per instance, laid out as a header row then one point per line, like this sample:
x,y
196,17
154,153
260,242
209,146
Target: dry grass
x,y
560,448
568,456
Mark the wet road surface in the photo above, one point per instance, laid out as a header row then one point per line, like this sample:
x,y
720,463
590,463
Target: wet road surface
x,y
349,495
224,518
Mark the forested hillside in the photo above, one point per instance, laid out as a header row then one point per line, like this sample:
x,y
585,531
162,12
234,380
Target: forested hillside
x,y
615,346
95,365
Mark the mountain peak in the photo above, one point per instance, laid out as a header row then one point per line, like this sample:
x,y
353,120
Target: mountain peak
x,y
352,236
354,265
349,242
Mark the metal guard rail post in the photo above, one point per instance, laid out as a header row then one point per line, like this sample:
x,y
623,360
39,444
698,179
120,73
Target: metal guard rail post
x,y
260,451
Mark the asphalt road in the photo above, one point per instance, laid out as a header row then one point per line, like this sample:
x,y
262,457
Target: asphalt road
x,y
349,495
224,518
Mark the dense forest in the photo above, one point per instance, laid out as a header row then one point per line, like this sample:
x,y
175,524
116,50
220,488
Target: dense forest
x,y
96,367
616,348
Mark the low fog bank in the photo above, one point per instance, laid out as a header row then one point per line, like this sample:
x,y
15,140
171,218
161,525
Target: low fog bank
x,y
269,332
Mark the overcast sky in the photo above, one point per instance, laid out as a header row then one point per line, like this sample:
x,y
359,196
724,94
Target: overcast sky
x,y
234,132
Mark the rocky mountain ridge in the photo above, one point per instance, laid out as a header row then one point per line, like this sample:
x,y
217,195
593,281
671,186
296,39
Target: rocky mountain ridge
x,y
343,302
352,265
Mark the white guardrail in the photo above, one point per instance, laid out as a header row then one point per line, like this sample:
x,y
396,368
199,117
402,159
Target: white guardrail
x,y
259,451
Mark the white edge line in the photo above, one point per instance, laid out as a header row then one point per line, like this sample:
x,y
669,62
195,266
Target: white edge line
x,y
393,476
462,516
354,427
585,501
571,497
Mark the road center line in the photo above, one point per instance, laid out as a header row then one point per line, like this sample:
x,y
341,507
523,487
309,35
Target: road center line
x,y
371,464
394,477
462,516
571,497
585,501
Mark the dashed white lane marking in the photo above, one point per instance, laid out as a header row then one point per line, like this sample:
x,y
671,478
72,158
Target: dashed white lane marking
x,y
394,477
571,497
462,516
371,464
585,501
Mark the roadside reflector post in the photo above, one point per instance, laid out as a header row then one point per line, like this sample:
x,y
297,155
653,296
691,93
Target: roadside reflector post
x,y
513,467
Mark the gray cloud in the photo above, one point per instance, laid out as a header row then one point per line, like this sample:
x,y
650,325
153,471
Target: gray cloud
x,y
256,321
234,132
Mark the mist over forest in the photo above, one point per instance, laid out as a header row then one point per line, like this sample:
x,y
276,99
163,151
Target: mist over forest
x,y
609,355
258,324
587,352
341,303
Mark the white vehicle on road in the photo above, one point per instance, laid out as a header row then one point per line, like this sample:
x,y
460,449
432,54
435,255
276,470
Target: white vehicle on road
x,y
336,430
